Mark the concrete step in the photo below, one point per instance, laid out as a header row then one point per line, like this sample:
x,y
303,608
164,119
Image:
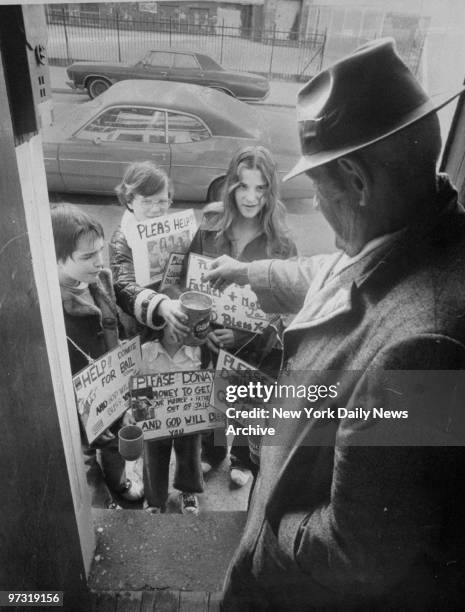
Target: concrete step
x,y
137,551
155,601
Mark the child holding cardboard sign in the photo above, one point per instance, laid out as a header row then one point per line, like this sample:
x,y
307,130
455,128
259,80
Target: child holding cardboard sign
x,y
91,323
248,225
146,192
168,354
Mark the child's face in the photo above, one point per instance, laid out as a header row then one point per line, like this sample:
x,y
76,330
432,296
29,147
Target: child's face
x,y
149,207
250,194
86,261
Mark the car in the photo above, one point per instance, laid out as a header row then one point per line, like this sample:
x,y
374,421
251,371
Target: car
x,y
169,65
190,131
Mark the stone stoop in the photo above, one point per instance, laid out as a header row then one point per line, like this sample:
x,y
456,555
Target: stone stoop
x,y
155,601
161,561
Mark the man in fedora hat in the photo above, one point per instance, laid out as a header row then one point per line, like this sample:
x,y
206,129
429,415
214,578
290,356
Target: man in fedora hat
x,y
360,504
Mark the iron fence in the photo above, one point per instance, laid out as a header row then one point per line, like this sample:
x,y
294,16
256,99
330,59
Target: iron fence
x,y
274,53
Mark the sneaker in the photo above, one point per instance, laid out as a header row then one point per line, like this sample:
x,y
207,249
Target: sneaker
x,y
112,505
189,503
133,490
239,476
151,509
206,467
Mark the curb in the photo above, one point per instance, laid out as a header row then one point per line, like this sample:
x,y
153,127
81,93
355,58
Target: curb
x,y
62,90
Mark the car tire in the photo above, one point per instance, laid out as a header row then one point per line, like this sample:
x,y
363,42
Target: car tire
x,y
215,192
96,86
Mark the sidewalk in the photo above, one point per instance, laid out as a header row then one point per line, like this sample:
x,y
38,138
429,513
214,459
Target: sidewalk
x,y
282,94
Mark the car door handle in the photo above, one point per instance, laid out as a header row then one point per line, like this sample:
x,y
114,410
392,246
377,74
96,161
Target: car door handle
x,y
164,73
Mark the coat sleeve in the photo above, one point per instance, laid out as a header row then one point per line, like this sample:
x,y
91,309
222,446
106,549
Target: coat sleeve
x,y
392,479
137,301
282,285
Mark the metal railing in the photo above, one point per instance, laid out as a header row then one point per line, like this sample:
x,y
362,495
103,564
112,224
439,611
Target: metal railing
x,y
273,53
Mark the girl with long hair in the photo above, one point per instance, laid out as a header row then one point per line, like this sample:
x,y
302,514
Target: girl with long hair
x,y
248,224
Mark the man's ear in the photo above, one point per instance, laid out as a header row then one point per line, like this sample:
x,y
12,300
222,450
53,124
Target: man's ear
x,y
357,177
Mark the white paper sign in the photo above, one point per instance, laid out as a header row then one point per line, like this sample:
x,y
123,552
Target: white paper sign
x,y
173,404
102,388
152,242
230,370
236,306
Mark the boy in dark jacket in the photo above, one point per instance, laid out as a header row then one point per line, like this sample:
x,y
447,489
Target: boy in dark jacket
x,y
91,323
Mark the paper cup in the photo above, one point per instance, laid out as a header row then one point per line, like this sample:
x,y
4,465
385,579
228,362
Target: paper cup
x,y
130,442
198,308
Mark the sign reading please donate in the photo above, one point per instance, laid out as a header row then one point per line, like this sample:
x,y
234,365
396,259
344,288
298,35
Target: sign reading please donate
x,y
172,404
102,388
234,307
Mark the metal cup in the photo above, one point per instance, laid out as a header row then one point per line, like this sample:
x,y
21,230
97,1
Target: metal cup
x,y
198,308
130,442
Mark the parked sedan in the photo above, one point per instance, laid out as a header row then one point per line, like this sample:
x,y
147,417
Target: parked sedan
x,y
190,131
169,65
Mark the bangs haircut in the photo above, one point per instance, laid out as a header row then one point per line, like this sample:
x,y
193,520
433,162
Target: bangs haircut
x,y
142,178
69,225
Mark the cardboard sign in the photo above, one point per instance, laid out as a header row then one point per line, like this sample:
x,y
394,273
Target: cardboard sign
x,y
230,370
152,242
172,273
173,404
235,307
102,388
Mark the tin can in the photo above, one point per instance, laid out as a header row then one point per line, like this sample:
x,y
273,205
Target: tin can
x,y
198,308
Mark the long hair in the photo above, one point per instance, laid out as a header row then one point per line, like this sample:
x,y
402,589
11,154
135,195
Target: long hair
x,y
271,216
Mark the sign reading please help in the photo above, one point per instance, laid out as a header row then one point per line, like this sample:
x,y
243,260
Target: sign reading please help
x,y
102,388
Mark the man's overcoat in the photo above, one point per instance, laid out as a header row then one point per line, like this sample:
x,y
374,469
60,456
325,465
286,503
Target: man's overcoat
x,y
364,513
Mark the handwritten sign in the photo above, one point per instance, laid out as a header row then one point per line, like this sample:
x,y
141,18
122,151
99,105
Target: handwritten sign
x,y
235,307
102,388
172,273
153,240
173,404
230,370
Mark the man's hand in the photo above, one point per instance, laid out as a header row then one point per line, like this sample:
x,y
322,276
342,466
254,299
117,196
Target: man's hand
x,y
221,338
174,316
225,270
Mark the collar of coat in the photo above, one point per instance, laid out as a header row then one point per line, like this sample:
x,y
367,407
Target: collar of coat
x,y
101,291
333,295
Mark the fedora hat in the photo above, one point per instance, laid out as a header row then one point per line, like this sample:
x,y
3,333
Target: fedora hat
x,y
365,97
